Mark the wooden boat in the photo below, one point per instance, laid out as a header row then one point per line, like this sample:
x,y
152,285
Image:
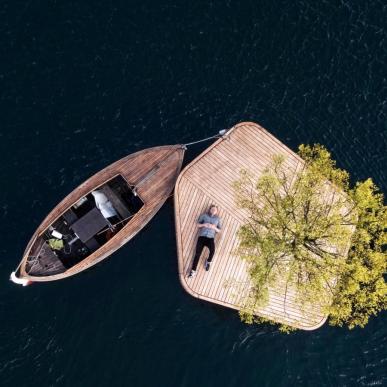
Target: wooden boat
x,y
101,215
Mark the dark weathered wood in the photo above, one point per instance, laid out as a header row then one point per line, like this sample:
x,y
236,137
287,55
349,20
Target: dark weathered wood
x,y
46,260
154,170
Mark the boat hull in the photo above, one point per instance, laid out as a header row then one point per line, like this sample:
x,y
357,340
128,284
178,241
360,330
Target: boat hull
x,y
153,172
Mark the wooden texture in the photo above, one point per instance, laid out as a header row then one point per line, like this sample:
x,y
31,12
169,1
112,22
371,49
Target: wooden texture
x,y
208,180
152,171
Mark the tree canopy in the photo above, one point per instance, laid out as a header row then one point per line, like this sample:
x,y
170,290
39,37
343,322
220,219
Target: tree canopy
x,y
312,232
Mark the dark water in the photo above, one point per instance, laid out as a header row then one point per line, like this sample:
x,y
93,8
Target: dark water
x,y
85,83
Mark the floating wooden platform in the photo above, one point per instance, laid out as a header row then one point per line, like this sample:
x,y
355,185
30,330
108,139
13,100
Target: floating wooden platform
x,y
208,180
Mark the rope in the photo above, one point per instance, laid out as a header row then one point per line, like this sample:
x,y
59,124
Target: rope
x,y
23,281
115,224
34,261
35,258
219,135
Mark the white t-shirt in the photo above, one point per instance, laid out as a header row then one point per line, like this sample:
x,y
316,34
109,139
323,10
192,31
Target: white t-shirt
x,y
104,205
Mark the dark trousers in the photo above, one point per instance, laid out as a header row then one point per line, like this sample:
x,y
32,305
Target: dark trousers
x,y
203,242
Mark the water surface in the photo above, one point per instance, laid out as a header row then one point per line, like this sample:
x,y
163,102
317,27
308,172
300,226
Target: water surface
x,y
85,83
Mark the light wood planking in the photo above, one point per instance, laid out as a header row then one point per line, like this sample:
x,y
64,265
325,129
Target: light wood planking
x,y
207,180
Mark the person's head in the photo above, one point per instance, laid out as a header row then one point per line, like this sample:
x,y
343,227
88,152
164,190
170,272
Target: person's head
x,y
213,210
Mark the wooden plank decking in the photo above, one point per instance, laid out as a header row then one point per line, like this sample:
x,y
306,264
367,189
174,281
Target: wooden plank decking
x,y
208,180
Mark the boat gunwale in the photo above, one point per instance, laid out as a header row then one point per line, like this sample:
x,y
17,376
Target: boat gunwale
x,y
116,244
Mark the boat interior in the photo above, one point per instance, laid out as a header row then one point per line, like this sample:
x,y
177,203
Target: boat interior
x,y
83,228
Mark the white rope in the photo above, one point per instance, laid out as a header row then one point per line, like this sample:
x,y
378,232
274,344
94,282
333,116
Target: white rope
x,y
219,135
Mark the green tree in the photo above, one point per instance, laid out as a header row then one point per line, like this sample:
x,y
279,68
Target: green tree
x,y
309,231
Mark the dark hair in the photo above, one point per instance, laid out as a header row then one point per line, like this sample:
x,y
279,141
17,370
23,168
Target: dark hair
x,y
212,206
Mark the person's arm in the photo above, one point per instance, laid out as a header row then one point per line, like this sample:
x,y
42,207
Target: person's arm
x,y
218,227
200,222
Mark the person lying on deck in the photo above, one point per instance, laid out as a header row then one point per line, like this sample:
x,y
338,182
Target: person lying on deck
x,y
209,224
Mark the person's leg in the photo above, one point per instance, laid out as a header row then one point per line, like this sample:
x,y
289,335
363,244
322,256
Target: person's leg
x,y
210,243
199,248
211,246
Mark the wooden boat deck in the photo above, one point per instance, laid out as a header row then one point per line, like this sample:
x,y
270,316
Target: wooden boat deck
x,y
152,172
208,180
